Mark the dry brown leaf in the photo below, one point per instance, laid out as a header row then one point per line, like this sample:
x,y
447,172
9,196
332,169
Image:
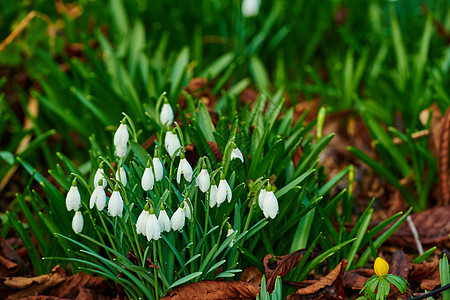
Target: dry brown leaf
x,y
432,225
7,267
251,275
327,287
442,139
427,273
72,285
400,264
280,266
215,290
19,287
355,279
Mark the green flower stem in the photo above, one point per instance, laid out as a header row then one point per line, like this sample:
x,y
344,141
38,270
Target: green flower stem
x,y
246,226
155,271
205,231
111,240
95,226
192,233
136,240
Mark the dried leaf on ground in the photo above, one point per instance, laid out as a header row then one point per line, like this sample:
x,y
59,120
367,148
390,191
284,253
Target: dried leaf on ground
x,y
212,290
327,287
7,267
73,285
280,266
6,250
427,273
355,279
441,137
432,226
19,287
251,275
400,264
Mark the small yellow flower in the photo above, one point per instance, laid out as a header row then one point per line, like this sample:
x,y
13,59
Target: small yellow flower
x,y
381,267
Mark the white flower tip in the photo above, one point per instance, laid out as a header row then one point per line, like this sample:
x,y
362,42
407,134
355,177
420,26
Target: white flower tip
x,y
77,222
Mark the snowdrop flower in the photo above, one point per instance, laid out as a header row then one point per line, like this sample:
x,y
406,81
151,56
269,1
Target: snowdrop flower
x,y
166,115
157,166
100,174
236,153
250,8
148,179
203,180
121,139
115,205
187,207
223,192
77,222
141,222
153,229
73,198
178,219
98,197
213,194
164,220
270,204
261,197
121,175
184,168
172,143
230,232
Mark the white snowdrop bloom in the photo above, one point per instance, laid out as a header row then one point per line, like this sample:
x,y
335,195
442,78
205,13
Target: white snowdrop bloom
x,y
187,208
164,221
236,153
178,219
262,195
121,139
230,232
213,195
115,205
203,180
250,8
98,198
141,222
100,175
148,180
121,175
158,167
166,115
270,206
171,143
73,198
223,192
153,229
184,168
77,222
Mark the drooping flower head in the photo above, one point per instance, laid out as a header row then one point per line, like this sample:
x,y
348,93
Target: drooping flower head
x,y
77,222
166,115
223,191
157,166
121,139
236,153
250,8
203,180
141,223
270,204
73,198
185,169
230,232
148,179
171,142
381,267
178,219
98,197
213,194
153,229
261,197
100,174
121,175
164,220
115,205
187,205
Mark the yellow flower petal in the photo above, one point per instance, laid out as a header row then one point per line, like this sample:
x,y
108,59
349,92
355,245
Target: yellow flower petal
x,y
381,267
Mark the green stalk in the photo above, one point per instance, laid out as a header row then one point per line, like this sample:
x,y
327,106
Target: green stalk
x,y
155,271
107,232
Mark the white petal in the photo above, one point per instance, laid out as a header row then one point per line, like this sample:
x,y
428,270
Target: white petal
x,y
141,222
229,192
230,232
261,197
171,143
101,199
121,151
184,168
164,221
166,115
122,176
100,174
153,229
187,208
236,153
221,192
77,222
73,199
121,136
270,205
115,205
250,8
159,171
203,180
178,220
213,196
93,198
148,180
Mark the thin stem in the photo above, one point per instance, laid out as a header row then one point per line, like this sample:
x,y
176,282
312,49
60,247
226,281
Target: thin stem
x,y
113,245
155,271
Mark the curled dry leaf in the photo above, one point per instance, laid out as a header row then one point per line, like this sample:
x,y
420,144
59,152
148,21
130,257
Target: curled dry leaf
x,y
280,266
441,137
7,267
251,275
355,279
215,290
327,287
432,226
74,285
427,273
